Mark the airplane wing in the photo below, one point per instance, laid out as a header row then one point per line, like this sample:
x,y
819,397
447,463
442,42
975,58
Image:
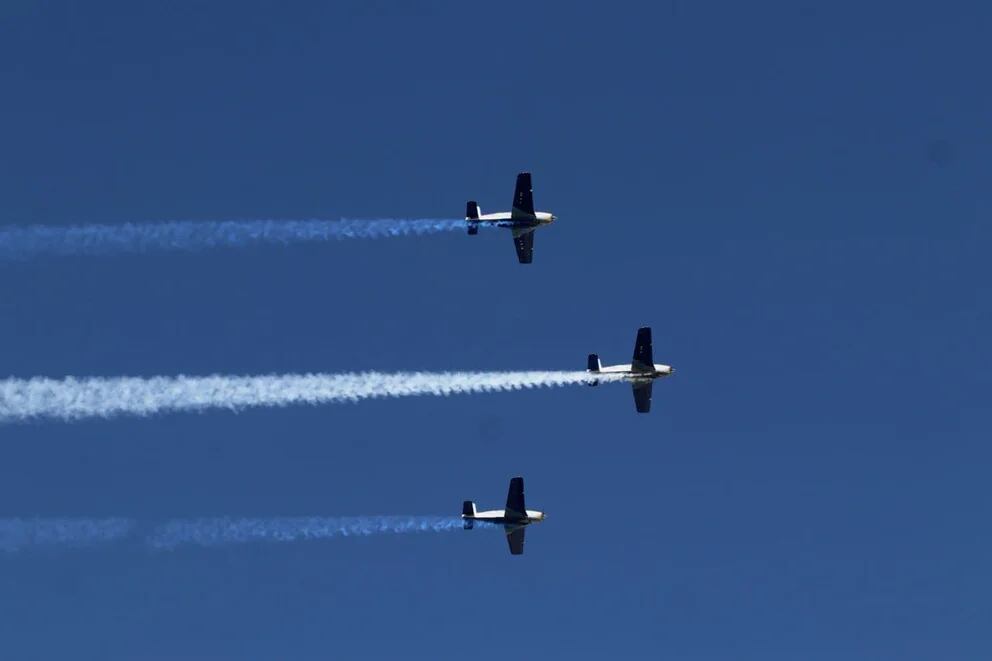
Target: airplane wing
x,y
515,498
523,198
642,396
515,538
523,241
643,360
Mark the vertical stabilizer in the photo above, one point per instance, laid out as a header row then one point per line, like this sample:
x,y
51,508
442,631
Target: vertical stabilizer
x,y
472,213
468,510
593,366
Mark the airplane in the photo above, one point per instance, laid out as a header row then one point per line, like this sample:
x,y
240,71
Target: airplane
x,y
641,372
514,518
523,220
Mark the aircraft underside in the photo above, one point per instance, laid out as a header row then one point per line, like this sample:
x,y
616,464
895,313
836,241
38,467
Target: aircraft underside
x,y
503,521
508,224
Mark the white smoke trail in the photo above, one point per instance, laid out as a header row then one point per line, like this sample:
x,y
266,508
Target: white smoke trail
x,y
72,398
64,533
222,531
19,534
185,235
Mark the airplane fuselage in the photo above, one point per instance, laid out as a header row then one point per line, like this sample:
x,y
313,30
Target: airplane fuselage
x,y
500,517
506,219
630,374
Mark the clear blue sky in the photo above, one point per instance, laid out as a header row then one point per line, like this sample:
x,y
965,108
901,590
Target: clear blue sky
x,y
794,195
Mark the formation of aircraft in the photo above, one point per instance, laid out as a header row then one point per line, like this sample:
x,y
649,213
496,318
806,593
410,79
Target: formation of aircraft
x,y
514,519
641,372
522,219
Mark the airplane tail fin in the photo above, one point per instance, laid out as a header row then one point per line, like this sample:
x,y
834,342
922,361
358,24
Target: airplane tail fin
x,y
468,509
593,364
472,213
643,360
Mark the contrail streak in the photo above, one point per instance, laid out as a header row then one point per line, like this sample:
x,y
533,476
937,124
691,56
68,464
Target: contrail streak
x,y
75,398
64,533
23,242
222,531
18,534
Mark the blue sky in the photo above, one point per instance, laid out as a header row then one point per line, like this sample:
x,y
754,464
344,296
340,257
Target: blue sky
x,y
794,196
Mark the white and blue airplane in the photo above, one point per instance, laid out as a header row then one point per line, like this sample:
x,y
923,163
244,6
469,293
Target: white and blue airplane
x,y
514,519
522,220
641,372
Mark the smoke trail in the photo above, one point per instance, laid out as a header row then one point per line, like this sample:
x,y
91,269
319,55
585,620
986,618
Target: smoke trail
x,y
217,532
18,534
24,534
185,235
72,398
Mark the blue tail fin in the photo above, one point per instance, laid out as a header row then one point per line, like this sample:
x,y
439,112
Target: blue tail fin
x,y
468,510
472,214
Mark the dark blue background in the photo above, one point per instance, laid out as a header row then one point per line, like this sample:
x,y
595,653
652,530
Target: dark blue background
x,y
794,195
